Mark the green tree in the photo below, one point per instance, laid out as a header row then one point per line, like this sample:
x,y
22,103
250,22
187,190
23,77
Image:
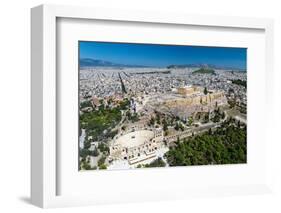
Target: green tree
x,y
103,166
177,126
181,127
190,121
207,117
156,163
152,121
205,91
158,118
165,125
86,166
103,148
101,161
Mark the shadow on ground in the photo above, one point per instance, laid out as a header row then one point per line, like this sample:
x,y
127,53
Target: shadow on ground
x,y
26,200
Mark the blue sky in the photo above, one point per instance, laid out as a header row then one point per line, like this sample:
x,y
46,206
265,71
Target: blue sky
x,y
163,55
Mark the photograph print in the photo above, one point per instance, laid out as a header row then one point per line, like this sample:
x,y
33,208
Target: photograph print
x,y
155,105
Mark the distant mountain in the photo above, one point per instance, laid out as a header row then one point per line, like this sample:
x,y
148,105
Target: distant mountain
x,y
204,71
89,62
210,66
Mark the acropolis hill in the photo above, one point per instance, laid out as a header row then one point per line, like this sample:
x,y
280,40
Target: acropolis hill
x,y
189,100
140,142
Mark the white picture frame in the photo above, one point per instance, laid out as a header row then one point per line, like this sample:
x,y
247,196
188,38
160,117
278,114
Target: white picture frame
x,y
44,169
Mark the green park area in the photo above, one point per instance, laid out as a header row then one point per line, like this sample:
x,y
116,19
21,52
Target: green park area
x,y
204,71
226,145
99,123
240,82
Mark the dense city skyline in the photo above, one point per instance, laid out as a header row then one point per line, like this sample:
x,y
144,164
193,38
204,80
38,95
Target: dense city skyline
x,y
163,55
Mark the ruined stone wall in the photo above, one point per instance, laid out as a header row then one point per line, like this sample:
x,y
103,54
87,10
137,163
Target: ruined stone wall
x,y
195,100
132,153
